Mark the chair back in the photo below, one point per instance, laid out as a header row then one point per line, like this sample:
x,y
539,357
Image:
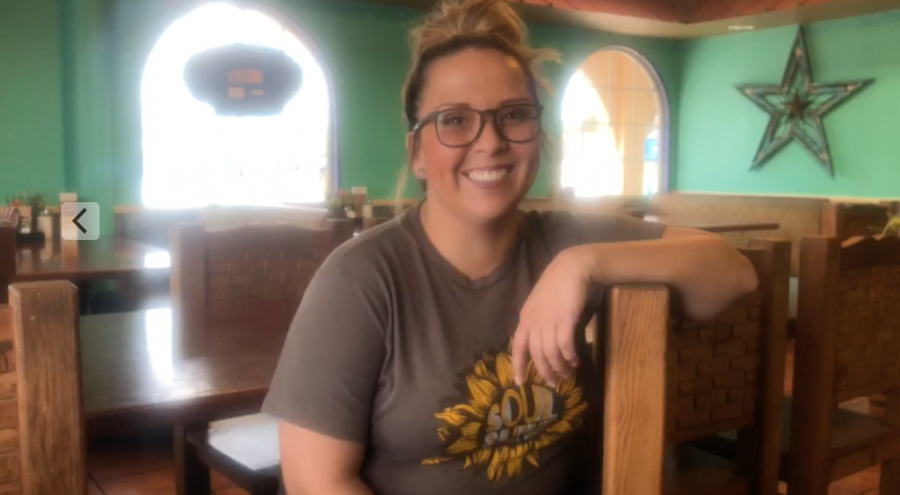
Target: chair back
x,y
7,261
42,434
846,220
848,340
849,315
219,217
677,380
245,273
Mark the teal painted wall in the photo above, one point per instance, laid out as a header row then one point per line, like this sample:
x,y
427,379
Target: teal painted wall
x,y
720,129
74,113
31,112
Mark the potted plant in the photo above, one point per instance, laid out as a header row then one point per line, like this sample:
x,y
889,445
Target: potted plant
x,y
338,202
36,203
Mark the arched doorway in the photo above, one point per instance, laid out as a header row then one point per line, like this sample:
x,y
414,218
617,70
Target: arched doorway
x,y
194,157
615,128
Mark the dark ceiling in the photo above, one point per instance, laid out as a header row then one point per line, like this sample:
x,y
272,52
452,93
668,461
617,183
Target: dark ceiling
x,y
683,18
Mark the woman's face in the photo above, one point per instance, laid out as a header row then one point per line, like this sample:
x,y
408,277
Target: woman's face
x,y
486,179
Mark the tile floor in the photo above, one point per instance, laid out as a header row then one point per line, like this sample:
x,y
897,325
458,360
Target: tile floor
x,y
142,466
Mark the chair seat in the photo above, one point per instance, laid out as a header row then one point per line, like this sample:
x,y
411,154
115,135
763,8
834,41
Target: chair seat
x,y
848,429
691,471
244,450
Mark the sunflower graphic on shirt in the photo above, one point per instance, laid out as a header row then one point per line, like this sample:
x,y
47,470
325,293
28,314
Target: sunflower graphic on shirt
x,y
503,425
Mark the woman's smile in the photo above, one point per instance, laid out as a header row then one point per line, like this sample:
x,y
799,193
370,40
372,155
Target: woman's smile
x,y
489,177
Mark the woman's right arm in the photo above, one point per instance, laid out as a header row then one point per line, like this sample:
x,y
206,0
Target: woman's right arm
x,y
316,464
325,386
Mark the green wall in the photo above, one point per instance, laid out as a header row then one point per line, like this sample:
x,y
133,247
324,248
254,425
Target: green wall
x,y
71,118
720,129
31,116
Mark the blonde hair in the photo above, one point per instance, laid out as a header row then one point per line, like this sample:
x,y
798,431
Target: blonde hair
x,y
453,26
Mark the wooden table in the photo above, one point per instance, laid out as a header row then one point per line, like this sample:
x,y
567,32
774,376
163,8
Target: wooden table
x,y
138,373
713,226
80,261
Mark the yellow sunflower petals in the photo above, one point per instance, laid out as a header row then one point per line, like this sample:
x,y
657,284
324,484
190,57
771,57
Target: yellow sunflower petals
x,y
505,371
562,427
575,412
481,391
461,446
470,430
443,434
482,455
452,416
565,386
513,466
545,440
481,370
475,411
435,460
573,397
495,470
532,459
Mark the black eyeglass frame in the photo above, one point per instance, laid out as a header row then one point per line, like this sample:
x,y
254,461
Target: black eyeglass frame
x,y
483,115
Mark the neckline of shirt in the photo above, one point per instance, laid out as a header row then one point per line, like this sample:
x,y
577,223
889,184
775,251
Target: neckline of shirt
x,y
413,224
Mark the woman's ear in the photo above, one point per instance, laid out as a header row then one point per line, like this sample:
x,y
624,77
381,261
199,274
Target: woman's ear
x,y
412,149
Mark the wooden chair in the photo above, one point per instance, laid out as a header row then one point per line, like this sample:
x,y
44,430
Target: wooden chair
x,y
42,435
846,220
670,381
7,261
255,273
848,346
242,273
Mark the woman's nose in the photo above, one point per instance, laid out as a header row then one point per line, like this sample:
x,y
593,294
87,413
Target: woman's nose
x,y
490,140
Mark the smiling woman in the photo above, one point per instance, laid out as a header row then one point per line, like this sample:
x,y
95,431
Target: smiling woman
x,y
194,156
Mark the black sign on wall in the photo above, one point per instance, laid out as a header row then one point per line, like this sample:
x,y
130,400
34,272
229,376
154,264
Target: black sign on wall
x,y
243,80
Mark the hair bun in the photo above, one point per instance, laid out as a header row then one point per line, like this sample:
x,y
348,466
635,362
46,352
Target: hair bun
x,y
455,18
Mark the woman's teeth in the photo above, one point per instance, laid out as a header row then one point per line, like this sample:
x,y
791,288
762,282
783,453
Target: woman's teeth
x,y
487,175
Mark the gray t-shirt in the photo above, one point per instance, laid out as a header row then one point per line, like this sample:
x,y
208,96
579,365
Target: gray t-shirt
x,y
394,348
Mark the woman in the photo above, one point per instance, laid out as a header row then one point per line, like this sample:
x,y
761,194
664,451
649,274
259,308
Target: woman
x,y
437,354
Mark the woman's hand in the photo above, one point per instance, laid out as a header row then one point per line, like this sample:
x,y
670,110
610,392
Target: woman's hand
x,y
547,321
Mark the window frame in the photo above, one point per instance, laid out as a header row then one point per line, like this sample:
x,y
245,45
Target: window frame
x,y
332,161
664,114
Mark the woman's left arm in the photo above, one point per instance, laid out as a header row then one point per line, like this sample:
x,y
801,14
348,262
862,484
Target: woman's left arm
x,y
706,271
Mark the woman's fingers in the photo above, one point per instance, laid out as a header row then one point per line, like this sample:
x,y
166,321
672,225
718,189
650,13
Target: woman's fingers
x,y
550,346
553,354
565,341
536,347
520,354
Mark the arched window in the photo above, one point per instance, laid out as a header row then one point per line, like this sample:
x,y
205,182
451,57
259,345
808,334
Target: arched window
x,y
614,115
194,157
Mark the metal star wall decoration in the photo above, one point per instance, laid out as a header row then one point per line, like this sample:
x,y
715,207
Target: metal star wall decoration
x,y
796,107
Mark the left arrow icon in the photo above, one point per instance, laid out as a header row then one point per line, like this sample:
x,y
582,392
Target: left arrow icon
x,y
75,221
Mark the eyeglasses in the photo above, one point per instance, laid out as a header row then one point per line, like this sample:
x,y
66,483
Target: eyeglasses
x,y
459,127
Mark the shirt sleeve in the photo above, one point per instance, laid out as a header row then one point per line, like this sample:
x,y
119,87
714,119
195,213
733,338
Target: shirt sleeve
x,y
333,355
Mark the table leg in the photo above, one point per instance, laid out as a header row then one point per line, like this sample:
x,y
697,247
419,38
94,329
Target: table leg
x,y
191,475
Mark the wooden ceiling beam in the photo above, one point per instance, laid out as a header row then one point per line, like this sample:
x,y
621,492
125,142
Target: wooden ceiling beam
x,y
681,19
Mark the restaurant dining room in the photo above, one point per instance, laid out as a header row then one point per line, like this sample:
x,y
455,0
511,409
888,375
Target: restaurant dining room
x,y
390,247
